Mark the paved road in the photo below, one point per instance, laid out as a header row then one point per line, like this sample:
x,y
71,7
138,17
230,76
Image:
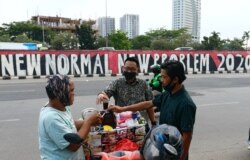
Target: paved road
x,y
221,127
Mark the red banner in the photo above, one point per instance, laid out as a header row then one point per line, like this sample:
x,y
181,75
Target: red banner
x,y
82,62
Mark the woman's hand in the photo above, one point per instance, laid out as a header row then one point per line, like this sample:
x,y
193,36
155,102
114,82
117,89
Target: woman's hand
x,y
94,119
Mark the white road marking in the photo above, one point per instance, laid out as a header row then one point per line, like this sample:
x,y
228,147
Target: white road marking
x,y
9,120
217,104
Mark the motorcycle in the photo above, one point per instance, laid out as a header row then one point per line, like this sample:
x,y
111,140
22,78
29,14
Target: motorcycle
x,y
163,142
155,83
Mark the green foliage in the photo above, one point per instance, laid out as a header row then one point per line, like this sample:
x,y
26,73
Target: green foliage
x,y
159,39
119,40
141,42
33,31
235,44
101,42
197,46
65,41
161,44
183,40
163,39
165,34
213,42
86,36
4,38
3,31
246,37
22,38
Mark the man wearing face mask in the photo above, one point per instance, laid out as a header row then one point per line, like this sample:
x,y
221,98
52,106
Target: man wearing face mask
x,y
175,104
129,89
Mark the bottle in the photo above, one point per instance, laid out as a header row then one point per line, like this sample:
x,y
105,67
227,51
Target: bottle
x,y
109,117
135,118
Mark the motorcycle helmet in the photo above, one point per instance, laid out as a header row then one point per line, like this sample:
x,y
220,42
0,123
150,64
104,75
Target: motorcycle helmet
x,y
162,143
156,68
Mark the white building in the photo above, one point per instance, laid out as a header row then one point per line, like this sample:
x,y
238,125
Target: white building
x,y
187,14
129,23
105,26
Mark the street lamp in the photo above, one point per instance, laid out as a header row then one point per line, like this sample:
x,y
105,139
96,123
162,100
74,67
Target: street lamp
x,y
106,26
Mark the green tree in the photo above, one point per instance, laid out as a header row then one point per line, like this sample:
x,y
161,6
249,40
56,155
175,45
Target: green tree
x,y
197,45
86,36
173,38
31,30
213,42
3,31
183,40
245,37
22,38
4,38
101,42
141,42
162,44
166,34
119,40
65,41
235,44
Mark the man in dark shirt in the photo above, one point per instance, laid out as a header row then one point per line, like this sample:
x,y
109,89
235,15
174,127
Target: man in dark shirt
x,y
175,105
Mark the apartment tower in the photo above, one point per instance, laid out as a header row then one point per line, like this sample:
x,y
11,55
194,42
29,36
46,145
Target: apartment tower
x,y
129,23
105,26
187,14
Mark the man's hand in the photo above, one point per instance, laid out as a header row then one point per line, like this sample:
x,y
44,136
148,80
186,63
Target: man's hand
x,y
101,98
116,109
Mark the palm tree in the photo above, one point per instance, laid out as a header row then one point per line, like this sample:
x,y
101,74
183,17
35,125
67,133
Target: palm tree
x,y
245,37
213,42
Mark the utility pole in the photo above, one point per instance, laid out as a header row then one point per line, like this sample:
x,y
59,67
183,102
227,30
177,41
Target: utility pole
x,y
106,23
43,33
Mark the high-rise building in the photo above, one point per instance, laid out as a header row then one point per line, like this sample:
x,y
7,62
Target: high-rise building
x,y
187,14
105,26
129,23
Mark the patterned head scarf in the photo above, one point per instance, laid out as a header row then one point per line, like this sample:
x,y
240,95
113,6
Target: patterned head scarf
x,y
58,87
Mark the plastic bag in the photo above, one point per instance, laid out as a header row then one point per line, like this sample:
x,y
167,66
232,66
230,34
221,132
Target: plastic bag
x,y
126,145
120,155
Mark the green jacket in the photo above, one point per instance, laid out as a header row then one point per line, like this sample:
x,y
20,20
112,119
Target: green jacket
x,y
155,83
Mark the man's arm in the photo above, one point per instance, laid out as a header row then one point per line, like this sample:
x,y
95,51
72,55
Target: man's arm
x,y
150,110
107,93
101,97
151,115
187,137
134,107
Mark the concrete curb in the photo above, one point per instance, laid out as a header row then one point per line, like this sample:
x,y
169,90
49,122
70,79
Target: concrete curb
x,y
7,77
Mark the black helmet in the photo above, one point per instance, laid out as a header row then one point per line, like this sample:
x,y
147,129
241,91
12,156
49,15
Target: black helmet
x,y
162,143
155,68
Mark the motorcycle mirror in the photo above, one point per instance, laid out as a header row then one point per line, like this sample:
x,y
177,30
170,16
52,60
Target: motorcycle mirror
x,y
73,138
170,149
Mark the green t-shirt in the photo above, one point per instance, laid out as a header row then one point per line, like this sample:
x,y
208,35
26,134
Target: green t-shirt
x,y
176,109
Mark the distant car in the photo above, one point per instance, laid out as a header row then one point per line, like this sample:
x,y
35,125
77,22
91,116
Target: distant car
x,y
106,48
184,49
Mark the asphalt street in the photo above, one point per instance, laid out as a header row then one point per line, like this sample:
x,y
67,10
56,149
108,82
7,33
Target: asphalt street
x,y
222,118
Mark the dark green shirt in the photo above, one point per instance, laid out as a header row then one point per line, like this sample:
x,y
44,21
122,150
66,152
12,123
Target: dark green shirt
x,y
176,109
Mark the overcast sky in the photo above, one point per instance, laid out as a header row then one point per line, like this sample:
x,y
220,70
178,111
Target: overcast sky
x,y
228,17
